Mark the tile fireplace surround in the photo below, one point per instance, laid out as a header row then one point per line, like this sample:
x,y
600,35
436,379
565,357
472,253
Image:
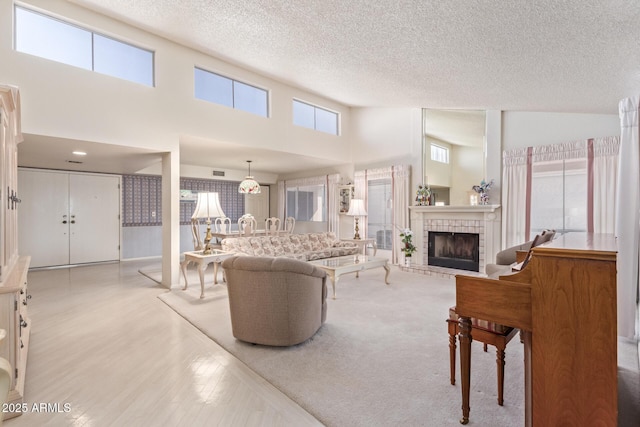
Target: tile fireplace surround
x,y
484,220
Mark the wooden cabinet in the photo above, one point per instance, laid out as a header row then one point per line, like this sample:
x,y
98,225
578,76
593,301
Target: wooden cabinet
x,y
13,269
10,136
15,321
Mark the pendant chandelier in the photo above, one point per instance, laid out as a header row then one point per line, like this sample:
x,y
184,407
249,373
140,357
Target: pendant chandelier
x,y
249,185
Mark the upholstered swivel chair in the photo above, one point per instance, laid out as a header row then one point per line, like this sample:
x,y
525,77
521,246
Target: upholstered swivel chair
x,y
275,301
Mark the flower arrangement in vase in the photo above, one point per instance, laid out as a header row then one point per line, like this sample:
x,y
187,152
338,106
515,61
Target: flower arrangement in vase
x,y
483,189
423,195
408,248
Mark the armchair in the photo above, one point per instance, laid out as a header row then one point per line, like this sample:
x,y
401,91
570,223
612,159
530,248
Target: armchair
x,y
506,258
275,301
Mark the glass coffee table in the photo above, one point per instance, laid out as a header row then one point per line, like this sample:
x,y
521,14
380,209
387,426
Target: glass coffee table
x,y
336,267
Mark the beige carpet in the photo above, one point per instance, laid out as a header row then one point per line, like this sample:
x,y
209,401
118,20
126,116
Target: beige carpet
x,y
381,359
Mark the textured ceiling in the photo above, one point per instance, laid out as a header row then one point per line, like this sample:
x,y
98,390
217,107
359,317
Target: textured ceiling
x,y
543,55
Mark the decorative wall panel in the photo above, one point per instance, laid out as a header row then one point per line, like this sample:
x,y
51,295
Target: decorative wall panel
x,y
142,199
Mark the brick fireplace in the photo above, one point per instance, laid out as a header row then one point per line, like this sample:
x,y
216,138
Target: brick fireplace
x,y
483,221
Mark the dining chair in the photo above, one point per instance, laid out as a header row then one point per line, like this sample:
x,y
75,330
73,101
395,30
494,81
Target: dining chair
x,y
198,245
272,226
289,224
247,225
223,225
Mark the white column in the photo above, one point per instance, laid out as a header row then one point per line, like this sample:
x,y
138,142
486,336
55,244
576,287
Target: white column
x,y
171,218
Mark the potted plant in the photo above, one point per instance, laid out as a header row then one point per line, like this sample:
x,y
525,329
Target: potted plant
x,y
407,248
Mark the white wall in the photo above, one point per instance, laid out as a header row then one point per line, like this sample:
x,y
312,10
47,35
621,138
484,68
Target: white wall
x,y
531,129
63,101
68,102
387,136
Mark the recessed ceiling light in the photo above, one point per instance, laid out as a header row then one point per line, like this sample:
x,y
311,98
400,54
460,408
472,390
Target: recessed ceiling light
x,y
79,153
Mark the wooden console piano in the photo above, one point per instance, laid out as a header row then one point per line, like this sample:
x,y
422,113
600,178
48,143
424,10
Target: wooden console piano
x,y
564,301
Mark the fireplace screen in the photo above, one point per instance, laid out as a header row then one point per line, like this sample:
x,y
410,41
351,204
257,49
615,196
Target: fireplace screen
x,y
454,250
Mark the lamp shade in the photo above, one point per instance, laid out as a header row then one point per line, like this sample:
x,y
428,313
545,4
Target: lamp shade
x,y
249,185
356,208
208,206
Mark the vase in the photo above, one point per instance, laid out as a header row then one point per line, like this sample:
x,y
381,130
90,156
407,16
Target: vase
x,y
407,261
484,198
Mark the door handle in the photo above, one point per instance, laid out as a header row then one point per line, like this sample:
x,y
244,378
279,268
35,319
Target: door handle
x,y
64,222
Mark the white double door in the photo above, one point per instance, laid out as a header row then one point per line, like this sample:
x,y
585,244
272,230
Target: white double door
x,y
68,218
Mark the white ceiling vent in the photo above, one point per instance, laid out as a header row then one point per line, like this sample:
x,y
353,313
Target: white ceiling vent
x,y
218,173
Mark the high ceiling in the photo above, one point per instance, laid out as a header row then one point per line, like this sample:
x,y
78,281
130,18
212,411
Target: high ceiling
x,y
543,55
572,56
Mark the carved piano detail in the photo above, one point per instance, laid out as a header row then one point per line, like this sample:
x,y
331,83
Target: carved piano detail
x,y
565,302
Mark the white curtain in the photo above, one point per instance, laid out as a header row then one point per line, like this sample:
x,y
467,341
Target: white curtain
x,y
560,151
627,216
282,200
400,190
333,203
600,156
605,174
360,185
515,173
400,185
311,180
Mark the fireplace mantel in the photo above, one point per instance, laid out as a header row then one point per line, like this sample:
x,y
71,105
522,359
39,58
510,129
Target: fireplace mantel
x,y
482,219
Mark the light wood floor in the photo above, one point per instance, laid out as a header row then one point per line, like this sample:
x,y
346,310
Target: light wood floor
x,y
102,342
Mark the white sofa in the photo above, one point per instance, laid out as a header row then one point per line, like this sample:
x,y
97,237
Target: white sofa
x,y
305,247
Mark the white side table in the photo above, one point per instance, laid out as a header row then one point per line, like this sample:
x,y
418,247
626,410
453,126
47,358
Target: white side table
x,y
203,261
363,243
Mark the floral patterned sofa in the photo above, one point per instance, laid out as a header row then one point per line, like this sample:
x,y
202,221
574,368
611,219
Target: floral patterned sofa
x,y
305,247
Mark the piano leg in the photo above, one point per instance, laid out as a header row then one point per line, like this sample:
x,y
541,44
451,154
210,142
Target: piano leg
x,y
465,365
452,351
500,371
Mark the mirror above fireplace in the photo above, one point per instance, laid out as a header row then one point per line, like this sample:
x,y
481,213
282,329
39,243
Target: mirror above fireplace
x,y
453,153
